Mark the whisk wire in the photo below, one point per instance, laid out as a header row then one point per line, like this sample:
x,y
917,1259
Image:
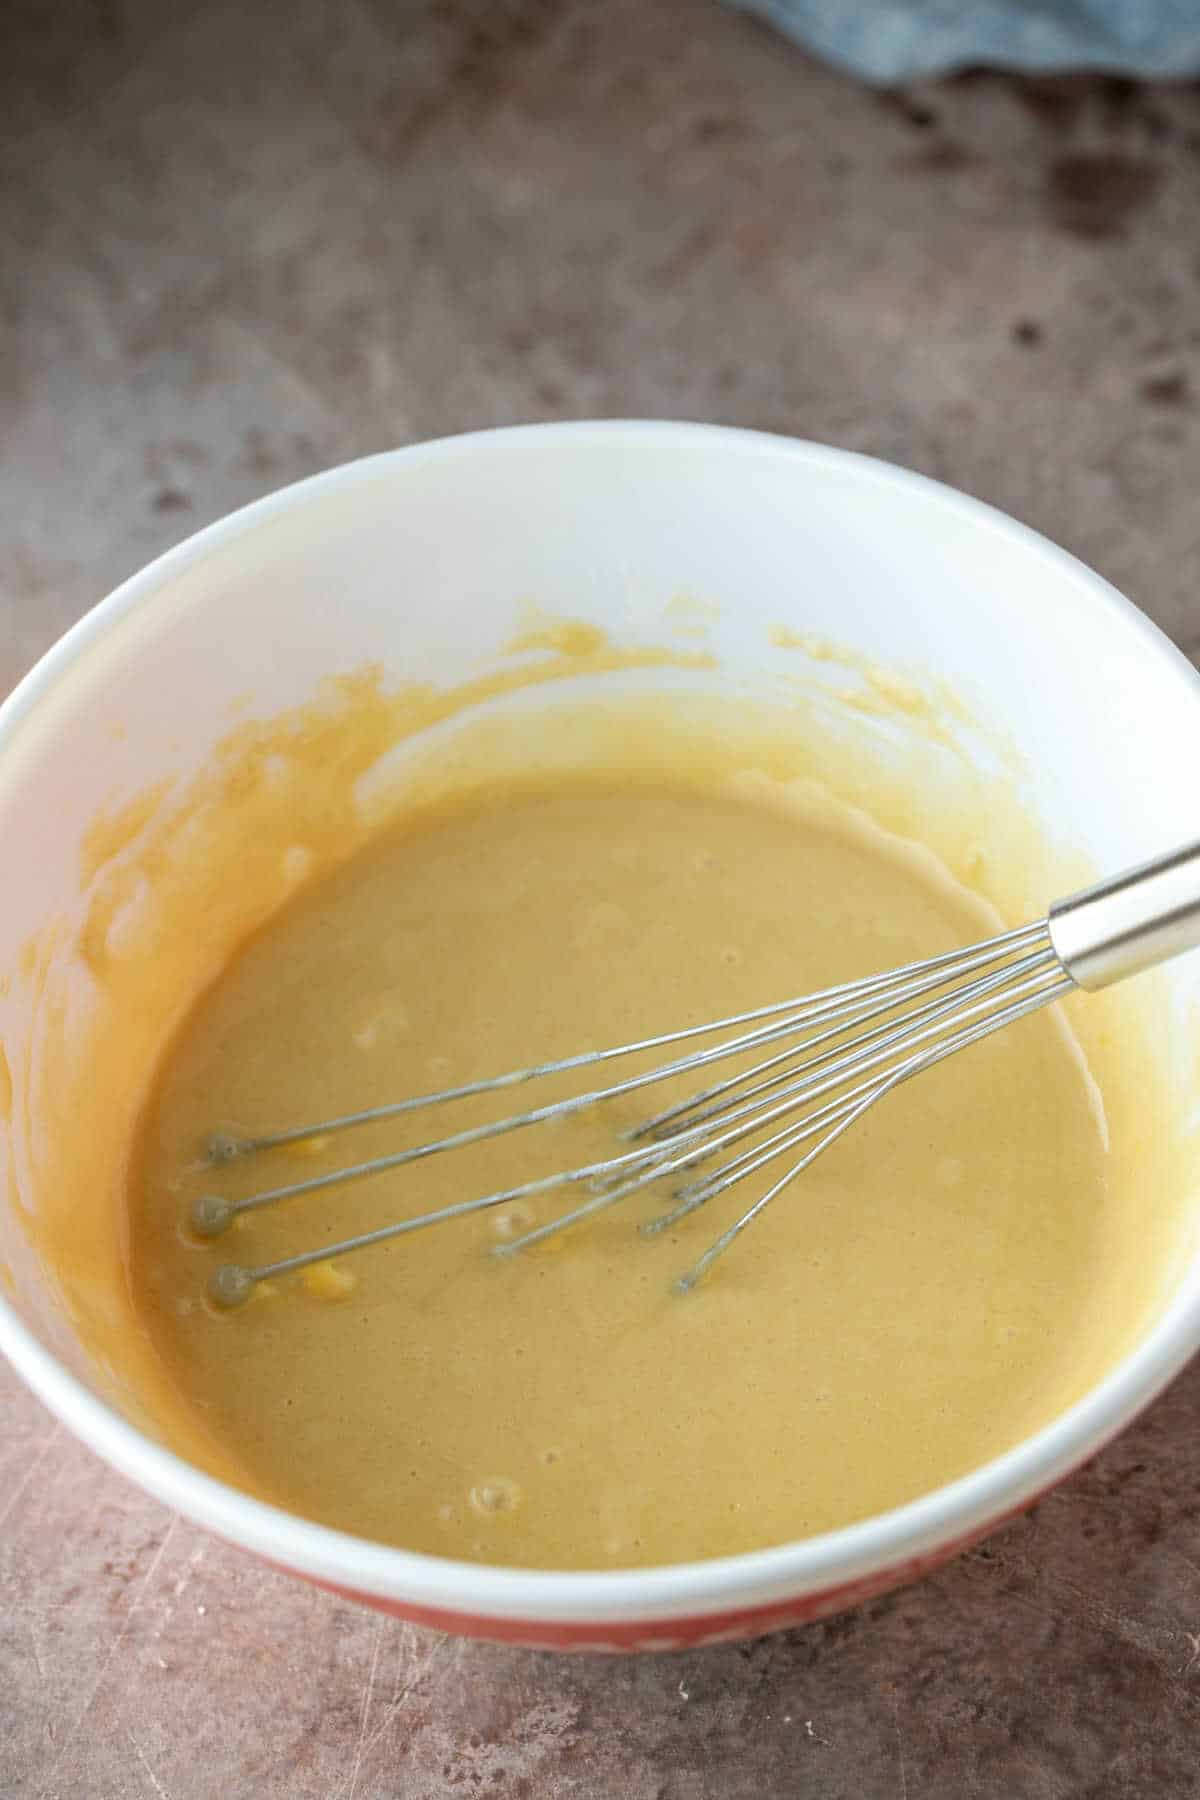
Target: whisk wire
x,y
832,1118
839,1060
915,1066
833,1060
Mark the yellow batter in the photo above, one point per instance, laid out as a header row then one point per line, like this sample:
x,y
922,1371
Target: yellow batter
x,y
929,1293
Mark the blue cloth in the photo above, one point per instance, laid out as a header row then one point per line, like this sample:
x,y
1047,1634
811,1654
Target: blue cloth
x,y
900,40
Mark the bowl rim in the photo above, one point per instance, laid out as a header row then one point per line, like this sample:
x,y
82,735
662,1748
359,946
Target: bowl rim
x,y
677,1591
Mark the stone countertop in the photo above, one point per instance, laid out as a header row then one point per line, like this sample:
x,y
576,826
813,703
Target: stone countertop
x,y
239,244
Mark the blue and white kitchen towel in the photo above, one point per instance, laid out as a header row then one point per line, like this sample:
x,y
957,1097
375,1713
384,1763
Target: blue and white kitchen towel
x,y
901,40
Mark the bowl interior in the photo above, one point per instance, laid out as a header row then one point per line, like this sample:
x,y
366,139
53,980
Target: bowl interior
x,y
779,561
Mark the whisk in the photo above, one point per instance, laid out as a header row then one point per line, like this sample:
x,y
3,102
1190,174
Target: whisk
x,y
831,1057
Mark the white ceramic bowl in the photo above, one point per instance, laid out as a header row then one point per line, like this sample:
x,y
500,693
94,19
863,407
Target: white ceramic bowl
x,y
416,560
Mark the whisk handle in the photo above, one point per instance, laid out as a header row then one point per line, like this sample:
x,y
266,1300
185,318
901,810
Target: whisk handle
x,y
1131,922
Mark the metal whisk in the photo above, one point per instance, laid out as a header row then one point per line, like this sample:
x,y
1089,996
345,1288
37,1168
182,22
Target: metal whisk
x,y
832,1056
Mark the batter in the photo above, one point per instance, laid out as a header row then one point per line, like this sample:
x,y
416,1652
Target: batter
x,y
924,1297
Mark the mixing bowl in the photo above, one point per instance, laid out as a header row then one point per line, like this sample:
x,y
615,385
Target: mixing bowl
x,y
753,550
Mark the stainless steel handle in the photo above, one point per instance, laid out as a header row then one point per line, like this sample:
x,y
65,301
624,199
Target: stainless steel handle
x,y
1131,922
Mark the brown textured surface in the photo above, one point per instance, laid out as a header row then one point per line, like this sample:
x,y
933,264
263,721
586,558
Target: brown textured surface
x,y
239,244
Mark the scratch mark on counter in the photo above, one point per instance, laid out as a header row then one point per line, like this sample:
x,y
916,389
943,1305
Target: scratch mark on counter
x,y
394,1708
85,1709
159,1789
30,1474
1085,1608
900,1748
364,1717
1126,1627
172,1600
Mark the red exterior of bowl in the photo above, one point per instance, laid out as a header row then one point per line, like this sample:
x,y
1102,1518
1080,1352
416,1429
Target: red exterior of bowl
x,y
670,1634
